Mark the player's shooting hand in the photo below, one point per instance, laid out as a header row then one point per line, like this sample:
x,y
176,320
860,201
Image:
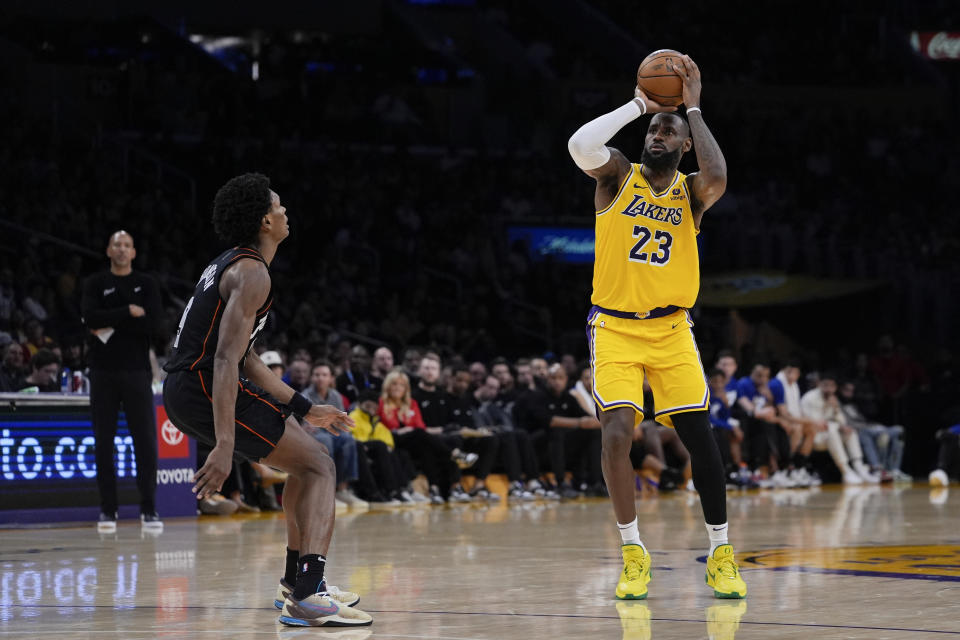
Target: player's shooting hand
x,y
651,106
690,74
329,418
209,479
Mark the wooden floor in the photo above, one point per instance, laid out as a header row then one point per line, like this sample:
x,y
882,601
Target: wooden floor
x,y
857,563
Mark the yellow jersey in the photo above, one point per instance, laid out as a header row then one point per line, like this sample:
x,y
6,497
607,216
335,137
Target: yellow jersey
x,y
646,248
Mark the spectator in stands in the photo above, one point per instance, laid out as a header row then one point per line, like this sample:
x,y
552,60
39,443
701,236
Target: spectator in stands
x,y
273,360
461,431
582,389
800,429
558,425
343,447
882,445
392,468
11,369
411,363
515,450
726,428
948,456
44,371
321,389
36,337
500,368
755,409
866,388
382,365
298,374
839,438
401,414
727,363
538,369
356,377
478,373
525,380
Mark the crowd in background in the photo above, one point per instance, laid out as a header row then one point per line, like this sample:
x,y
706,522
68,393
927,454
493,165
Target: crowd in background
x,y
401,181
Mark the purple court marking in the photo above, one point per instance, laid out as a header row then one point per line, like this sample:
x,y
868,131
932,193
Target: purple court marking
x,y
810,625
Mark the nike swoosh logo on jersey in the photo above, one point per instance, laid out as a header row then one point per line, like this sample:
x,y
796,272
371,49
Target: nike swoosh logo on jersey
x,y
107,292
136,289
637,186
674,326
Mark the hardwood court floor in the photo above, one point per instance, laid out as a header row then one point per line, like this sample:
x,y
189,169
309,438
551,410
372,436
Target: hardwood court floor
x,y
858,563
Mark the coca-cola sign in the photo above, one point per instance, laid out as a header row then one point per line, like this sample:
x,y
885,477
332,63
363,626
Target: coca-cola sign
x,y
936,45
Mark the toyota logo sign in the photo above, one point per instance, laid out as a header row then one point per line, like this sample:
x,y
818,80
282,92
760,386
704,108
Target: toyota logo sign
x,y
171,435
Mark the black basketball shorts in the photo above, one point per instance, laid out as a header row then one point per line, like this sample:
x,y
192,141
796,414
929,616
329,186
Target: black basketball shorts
x,y
259,418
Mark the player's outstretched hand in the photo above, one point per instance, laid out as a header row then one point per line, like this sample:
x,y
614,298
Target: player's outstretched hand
x,y
329,418
652,107
209,478
689,72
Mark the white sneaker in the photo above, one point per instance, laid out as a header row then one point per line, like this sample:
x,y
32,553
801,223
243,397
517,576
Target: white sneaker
x,y
414,497
799,477
864,472
351,500
851,477
939,478
107,523
815,480
340,505
781,480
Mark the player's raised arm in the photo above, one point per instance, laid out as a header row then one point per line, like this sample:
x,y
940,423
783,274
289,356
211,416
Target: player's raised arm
x,y
589,150
708,184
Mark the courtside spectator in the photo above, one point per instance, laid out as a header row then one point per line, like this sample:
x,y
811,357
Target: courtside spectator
x,y
45,373
401,414
356,377
882,445
839,438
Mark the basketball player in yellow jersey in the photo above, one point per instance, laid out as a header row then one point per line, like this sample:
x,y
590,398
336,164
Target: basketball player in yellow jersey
x,y
646,276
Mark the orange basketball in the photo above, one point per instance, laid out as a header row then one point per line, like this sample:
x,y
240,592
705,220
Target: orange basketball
x,y
658,80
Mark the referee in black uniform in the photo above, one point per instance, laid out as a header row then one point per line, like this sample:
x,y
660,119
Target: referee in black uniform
x,y
122,311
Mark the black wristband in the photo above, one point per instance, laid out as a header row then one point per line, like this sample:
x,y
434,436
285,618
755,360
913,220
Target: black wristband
x,y
299,405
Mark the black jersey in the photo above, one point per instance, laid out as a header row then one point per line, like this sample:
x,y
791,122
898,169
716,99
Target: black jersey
x,y
199,330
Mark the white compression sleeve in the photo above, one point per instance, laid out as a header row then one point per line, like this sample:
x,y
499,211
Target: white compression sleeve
x,y
588,145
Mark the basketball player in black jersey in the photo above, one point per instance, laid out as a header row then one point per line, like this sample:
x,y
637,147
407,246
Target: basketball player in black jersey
x,y
219,392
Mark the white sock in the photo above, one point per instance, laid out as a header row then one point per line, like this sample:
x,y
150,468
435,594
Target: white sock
x,y
718,535
630,534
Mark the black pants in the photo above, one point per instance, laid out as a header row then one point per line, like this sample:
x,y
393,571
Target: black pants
x,y
108,391
576,450
431,455
517,455
485,447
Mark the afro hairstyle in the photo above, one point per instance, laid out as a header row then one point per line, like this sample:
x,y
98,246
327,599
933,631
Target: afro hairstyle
x,y
239,206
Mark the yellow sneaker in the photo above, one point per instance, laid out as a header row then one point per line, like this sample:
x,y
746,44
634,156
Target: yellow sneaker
x,y
636,573
723,620
635,620
723,574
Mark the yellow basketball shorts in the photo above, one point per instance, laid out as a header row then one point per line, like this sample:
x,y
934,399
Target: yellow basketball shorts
x,y
623,351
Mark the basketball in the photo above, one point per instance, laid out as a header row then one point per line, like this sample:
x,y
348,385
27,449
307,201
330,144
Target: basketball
x,y
658,80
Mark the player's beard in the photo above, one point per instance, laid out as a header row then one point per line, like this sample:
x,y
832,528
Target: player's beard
x,y
666,161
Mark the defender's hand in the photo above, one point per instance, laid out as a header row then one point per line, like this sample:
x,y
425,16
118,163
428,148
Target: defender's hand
x,y
329,418
689,72
137,311
209,479
651,106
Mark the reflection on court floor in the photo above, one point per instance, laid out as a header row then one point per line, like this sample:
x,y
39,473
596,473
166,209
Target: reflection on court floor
x,y
864,563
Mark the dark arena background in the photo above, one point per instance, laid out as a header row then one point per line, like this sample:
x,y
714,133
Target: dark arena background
x,y
420,147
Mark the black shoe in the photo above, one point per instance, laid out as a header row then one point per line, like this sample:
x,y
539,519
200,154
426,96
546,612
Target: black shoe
x,y
151,522
107,523
568,492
